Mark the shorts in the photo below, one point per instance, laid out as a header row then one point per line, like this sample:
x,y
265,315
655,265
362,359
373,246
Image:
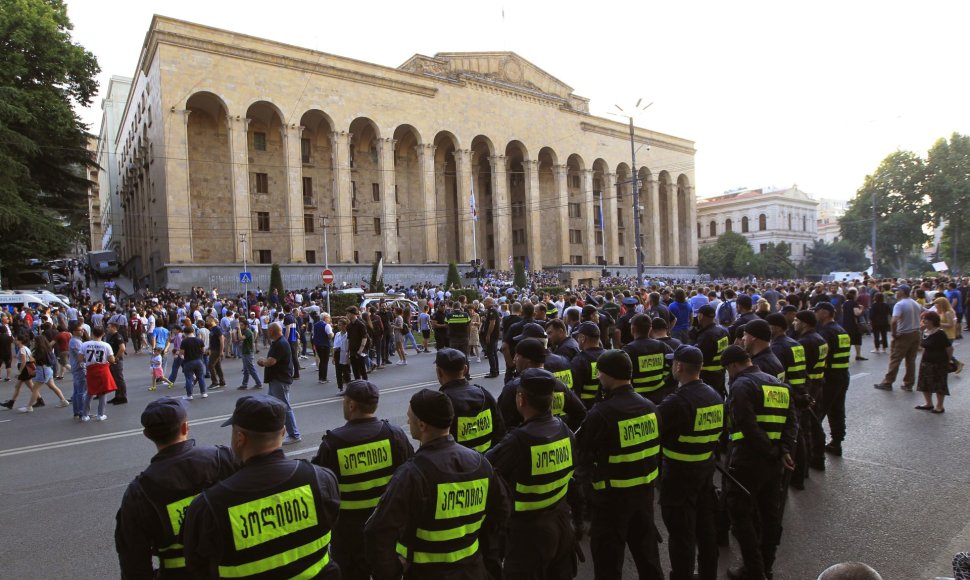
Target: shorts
x,y
6,362
157,373
426,334
44,374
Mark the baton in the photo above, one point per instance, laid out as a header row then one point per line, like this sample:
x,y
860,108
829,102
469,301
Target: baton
x,y
732,478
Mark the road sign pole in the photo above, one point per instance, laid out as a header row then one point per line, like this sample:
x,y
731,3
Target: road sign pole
x,y
242,238
326,260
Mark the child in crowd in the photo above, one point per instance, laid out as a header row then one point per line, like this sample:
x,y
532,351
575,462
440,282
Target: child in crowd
x,y
157,374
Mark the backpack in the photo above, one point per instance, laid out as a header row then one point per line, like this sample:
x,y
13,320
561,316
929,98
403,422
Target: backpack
x,y
725,313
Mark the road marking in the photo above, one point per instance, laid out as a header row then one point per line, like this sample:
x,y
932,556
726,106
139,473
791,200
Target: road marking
x,y
6,421
130,432
859,375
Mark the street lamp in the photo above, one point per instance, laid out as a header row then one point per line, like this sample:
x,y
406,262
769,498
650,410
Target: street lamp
x,y
638,243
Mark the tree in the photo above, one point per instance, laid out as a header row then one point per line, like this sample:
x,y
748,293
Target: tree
x,y
901,212
276,280
948,188
43,153
454,278
519,279
840,256
730,256
776,260
376,277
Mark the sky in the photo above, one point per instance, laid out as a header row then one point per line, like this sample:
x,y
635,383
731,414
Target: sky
x,y
813,94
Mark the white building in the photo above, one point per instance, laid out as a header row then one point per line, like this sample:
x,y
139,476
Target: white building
x,y
113,107
762,216
830,210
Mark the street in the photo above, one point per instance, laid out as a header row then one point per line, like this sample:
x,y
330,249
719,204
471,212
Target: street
x,y
894,500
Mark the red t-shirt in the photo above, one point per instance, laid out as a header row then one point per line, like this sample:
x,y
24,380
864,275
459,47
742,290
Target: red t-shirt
x,y
63,341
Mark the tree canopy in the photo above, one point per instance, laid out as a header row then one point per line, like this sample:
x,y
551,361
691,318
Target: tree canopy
x,y
732,256
840,256
948,189
43,154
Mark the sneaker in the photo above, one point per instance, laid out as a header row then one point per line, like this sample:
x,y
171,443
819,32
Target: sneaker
x,y
259,386
85,418
63,403
101,418
883,386
292,440
241,388
187,398
171,385
7,404
152,388
215,387
25,410
205,395
835,448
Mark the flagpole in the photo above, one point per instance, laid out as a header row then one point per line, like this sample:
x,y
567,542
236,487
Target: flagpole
x,y
603,231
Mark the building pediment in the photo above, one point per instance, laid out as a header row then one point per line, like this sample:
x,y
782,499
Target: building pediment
x,y
505,69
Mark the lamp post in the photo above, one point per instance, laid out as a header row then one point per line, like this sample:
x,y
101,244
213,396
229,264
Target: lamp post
x,y
635,180
326,258
242,239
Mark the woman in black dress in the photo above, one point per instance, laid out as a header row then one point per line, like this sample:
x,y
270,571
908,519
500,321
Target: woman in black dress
x,y
851,311
935,364
879,315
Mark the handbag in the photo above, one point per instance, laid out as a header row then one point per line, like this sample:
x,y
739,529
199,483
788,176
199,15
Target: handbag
x,y
31,368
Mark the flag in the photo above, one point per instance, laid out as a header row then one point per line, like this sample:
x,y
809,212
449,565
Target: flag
x,y
602,224
471,202
510,261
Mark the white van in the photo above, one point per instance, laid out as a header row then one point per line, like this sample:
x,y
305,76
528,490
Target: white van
x,y
11,299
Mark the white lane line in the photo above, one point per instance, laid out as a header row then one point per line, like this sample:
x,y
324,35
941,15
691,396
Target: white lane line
x,y
130,432
6,421
859,375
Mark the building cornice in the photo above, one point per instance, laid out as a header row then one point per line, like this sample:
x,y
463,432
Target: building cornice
x,y
653,139
768,198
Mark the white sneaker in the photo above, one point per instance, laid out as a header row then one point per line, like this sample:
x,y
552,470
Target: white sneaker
x,y
292,440
63,403
205,395
25,410
187,398
85,418
101,418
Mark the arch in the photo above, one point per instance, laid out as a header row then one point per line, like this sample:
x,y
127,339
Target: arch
x,y
728,225
268,181
762,222
576,160
516,154
744,225
366,183
666,198
211,199
712,229
482,152
261,110
317,184
446,195
411,220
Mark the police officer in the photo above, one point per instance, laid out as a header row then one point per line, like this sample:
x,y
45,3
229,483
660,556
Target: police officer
x,y
816,354
271,518
529,354
836,374
789,311
618,448
756,339
650,365
458,323
711,338
762,429
623,334
513,330
692,418
559,340
792,357
363,454
478,425
660,330
745,315
149,522
441,513
583,366
536,460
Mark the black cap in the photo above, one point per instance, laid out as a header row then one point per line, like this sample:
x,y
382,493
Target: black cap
x,y
161,415
259,413
433,407
707,310
588,328
808,317
531,349
733,354
531,330
631,301
788,308
744,301
758,329
450,359
615,363
824,306
588,310
775,319
659,323
362,392
537,381
687,354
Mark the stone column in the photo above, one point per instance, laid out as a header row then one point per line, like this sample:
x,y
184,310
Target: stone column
x,y
610,225
655,256
463,165
388,202
294,193
501,212
589,211
674,258
242,222
533,227
343,210
562,207
428,215
691,260
179,196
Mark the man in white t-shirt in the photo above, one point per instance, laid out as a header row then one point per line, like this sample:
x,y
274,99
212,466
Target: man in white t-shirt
x,y
98,356
905,340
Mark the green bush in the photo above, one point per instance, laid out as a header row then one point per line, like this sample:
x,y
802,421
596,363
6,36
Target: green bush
x,y
454,278
276,280
519,279
340,302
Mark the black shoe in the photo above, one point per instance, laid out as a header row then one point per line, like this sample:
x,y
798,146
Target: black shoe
x,y
883,386
797,484
118,401
818,465
861,358
490,376
242,388
835,448
40,402
7,404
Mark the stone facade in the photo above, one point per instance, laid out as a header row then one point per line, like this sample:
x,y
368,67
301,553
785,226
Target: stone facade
x,y
94,198
113,107
762,216
237,147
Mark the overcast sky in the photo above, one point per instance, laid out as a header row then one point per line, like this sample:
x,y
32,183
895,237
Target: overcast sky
x,y
772,93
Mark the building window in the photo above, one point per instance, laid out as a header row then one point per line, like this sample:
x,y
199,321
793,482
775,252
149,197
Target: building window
x,y
518,209
574,211
699,230
575,236
311,256
621,260
397,194
575,180
261,182
305,150
518,236
378,256
619,238
599,237
259,141
356,257
789,221
308,191
619,218
377,226
762,222
354,224
744,225
264,256
728,225
712,229
262,221
308,223
376,191
576,260
398,232
762,248
804,224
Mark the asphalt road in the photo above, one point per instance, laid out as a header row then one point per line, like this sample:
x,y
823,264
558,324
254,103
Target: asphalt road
x,y
897,499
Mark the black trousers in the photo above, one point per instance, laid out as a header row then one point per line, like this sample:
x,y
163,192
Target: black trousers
x,y
541,546
294,353
323,356
357,365
688,506
617,524
756,518
118,374
348,545
491,352
833,406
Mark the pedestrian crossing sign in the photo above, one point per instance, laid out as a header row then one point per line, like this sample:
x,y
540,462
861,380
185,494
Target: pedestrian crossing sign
x,y
245,277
